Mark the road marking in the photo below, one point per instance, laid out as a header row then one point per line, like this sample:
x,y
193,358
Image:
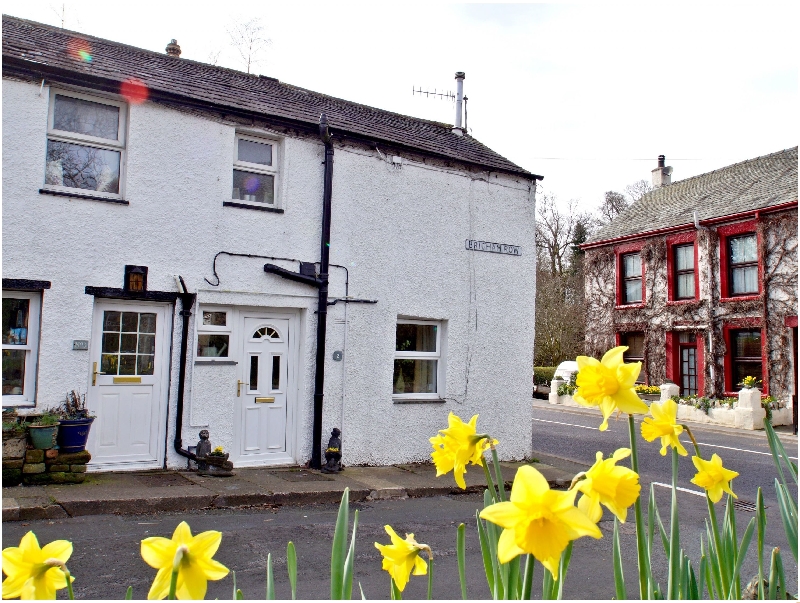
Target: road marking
x,y
738,449
695,492
569,424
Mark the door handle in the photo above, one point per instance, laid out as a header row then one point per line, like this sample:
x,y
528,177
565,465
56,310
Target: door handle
x,y
239,385
95,372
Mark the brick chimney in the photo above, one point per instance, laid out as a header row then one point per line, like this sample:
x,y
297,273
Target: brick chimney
x,y
173,49
662,176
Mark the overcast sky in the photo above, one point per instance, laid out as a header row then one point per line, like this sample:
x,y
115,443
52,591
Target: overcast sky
x,y
586,95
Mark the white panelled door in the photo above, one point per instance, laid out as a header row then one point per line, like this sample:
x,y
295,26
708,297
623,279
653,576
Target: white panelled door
x,y
129,384
262,392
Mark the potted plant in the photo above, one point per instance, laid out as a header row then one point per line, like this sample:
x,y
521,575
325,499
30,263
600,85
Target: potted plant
x,y
75,423
43,430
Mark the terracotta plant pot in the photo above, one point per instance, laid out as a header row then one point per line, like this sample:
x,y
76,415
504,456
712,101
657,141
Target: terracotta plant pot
x,y
43,437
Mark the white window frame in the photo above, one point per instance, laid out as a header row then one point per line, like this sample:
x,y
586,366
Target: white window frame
x,y
415,355
91,141
202,329
28,398
258,168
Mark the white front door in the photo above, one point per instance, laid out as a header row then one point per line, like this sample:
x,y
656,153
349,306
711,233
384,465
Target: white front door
x,y
262,392
128,384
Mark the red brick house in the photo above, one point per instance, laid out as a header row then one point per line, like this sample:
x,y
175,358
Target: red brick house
x,y
699,279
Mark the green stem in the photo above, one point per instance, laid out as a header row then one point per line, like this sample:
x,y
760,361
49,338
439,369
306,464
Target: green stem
x,y
641,536
396,594
173,585
70,592
723,569
489,480
673,585
691,437
430,576
501,485
527,583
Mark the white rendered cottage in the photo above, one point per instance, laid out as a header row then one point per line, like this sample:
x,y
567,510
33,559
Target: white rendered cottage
x,y
164,250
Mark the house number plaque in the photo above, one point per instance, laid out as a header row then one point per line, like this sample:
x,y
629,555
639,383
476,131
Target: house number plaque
x,y
493,247
80,344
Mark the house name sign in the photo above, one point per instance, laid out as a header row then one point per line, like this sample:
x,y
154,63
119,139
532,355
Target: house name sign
x,y
493,247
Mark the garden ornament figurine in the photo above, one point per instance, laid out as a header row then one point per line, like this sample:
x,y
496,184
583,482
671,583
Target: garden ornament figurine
x,y
212,462
333,453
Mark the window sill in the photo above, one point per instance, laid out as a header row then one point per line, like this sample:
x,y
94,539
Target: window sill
x,y
629,306
47,191
739,298
396,400
274,210
17,404
682,302
216,362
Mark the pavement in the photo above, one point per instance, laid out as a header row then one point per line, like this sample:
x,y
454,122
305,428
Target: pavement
x,y
141,492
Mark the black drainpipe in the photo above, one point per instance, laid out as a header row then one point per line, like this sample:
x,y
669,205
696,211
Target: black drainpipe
x,y
187,302
322,306
321,282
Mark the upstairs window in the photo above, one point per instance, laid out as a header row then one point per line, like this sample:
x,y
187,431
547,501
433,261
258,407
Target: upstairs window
x,y
631,264
255,171
85,144
743,265
684,271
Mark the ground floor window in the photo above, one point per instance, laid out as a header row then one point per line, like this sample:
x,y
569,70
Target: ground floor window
x,y
20,346
745,355
635,352
213,333
417,359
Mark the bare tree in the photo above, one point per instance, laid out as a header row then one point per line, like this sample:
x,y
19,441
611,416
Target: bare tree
x,y
249,41
637,190
555,231
213,57
613,204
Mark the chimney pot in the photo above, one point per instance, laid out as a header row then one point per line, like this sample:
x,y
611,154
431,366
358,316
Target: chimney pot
x,y
459,102
662,175
661,160
173,49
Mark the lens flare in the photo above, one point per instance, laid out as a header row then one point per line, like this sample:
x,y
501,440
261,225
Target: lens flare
x,y
251,184
80,50
135,91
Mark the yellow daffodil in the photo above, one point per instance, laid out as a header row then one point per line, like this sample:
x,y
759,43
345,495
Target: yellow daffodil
x,y
33,572
458,445
195,566
538,520
664,425
401,558
713,477
604,483
608,384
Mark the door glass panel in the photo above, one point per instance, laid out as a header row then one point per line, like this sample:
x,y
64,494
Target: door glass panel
x,y
253,373
276,372
15,321
13,372
124,350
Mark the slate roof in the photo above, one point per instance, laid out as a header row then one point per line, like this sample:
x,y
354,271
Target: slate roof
x,y
753,184
45,49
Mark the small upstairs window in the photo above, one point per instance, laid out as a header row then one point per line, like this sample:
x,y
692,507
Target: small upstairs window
x,y
743,265
684,271
255,171
631,264
85,144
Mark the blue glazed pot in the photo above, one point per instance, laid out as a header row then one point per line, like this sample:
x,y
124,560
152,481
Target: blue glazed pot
x,y
43,437
73,434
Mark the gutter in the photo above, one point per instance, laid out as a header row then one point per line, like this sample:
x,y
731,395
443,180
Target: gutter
x,y
752,213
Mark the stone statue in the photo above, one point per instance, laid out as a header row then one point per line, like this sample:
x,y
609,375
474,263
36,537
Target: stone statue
x,y
333,453
212,462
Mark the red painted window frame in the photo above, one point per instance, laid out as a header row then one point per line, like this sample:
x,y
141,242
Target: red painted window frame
x,y
673,241
673,359
619,251
735,325
725,233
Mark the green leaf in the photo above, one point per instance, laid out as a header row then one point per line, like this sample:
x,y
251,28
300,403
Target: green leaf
x,y
788,512
562,569
735,586
239,595
174,574
347,588
779,452
270,579
461,555
339,548
486,553
527,584
781,594
291,565
395,592
129,594
761,516
363,597
673,584
619,579
547,585
773,575
694,588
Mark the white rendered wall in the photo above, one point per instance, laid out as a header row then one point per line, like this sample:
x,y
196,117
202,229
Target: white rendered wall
x,y
400,232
